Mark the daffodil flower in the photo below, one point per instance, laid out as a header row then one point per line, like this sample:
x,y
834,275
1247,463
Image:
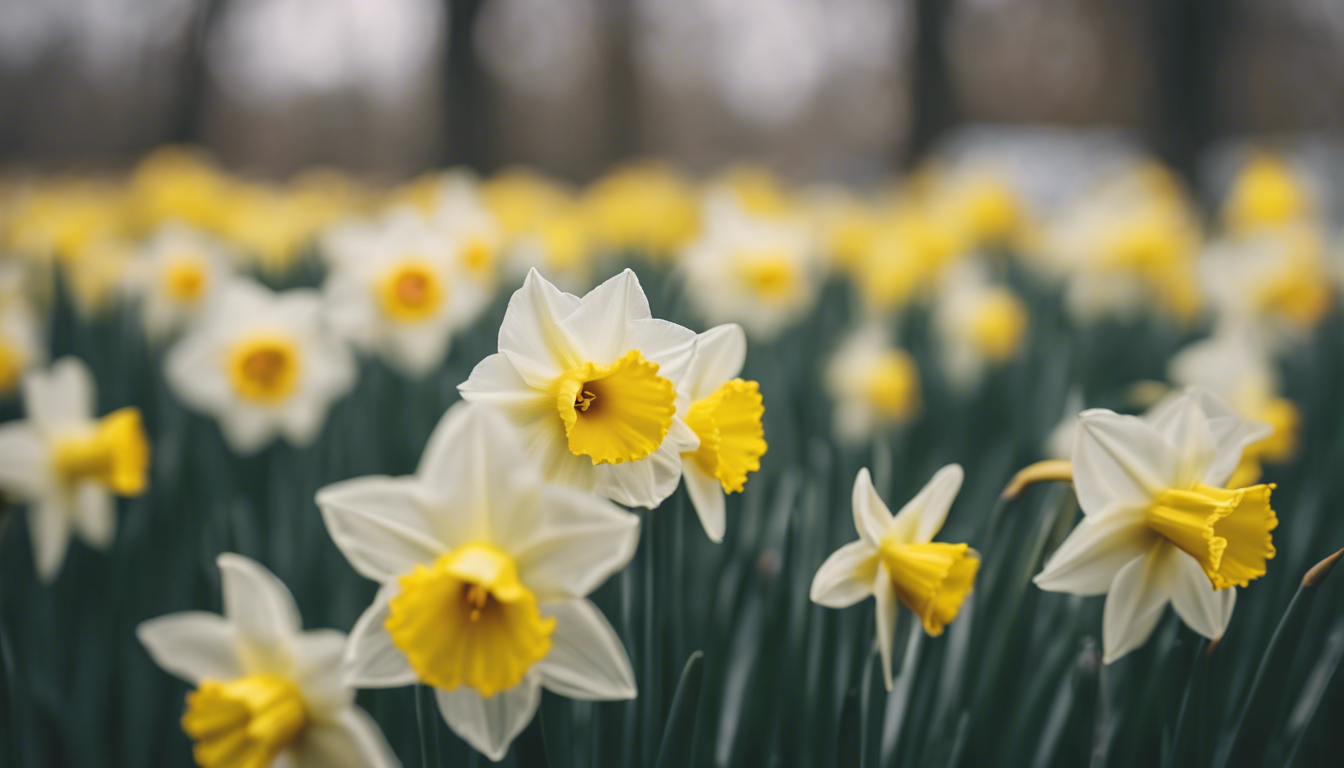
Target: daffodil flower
x,y
896,558
180,272
66,465
484,571
20,340
262,363
1159,526
980,325
402,293
592,383
266,692
725,412
872,383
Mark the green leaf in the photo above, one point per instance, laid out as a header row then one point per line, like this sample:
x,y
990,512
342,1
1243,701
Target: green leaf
x,y
679,734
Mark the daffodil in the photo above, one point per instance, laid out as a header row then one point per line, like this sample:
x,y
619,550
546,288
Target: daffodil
x,y
397,288
180,272
1159,524
462,213
644,207
760,271
725,412
979,323
266,693
896,558
592,383
66,465
1278,278
872,384
262,364
20,336
1265,194
485,570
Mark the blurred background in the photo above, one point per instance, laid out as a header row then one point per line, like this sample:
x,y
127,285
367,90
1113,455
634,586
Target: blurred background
x,y
820,89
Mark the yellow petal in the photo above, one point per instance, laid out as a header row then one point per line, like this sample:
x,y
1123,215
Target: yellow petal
x,y
615,413
931,579
116,454
1226,530
732,440
244,723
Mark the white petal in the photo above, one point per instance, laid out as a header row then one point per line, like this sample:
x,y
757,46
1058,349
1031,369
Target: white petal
x,y
871,516
495,382
574,542
587,660
1134,604
95,515
928,510
192,645
1088,560
669,345
23,460
600,326
1183,423
490,725
247,429
648,482
886,620
381,524
417,350
349,740
301,420
317,671
371,660
193,370
1119,459
49,528
62,396
847,576
719,355
257,603
707,497
1231,435
1204,609
530,333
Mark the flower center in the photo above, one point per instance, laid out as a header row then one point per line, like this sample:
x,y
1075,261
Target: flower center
x,y
244,723
732,440
467,620
1226,530
115,454
769,275
892,384
264,368
184,281
998,325
615,413
932,579
411,292
477,255
1297,292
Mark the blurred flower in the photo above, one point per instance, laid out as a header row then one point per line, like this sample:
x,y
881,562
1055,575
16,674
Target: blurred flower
x,y
872,383
484,571
177,184
560,244
846,224
904,258
725,413
262,364
980,206
1277,278
757,271
979,324
397,287
460,210
64,219
1265,194
645,207
592,384
896,558
179,273
520,199
1159,525
21,345
267,693
65,464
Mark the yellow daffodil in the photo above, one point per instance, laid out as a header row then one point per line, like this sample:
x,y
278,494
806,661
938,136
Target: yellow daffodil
x,y
20,337
178,275
485,569
980,324
646,208
1265,194
872,384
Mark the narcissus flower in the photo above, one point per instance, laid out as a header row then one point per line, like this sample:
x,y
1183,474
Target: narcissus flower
x,y
180,271
397,288
592,384
20,340
897,558
267,693
1159,524
873,384
263,364
1265,194
485,569
66,465
979,323
725,412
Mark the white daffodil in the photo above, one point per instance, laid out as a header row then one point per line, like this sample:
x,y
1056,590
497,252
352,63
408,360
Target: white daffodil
x,y
267,693
461,211
262,364
179,273
979,323
20,339
1159,526
897,558
1275,278
403,292
725,412
760,271
484,571
66,465
592,383
872,384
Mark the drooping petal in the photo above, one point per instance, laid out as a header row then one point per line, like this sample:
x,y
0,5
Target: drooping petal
x,y
258,604
847,576
49,528
317,671
350,739
371,659
719,355
490,725
1204,609
192,645
1119,459
574,542
1088,560
872,518
587,660
381,524
708,499
1134,604
530,333
886,620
